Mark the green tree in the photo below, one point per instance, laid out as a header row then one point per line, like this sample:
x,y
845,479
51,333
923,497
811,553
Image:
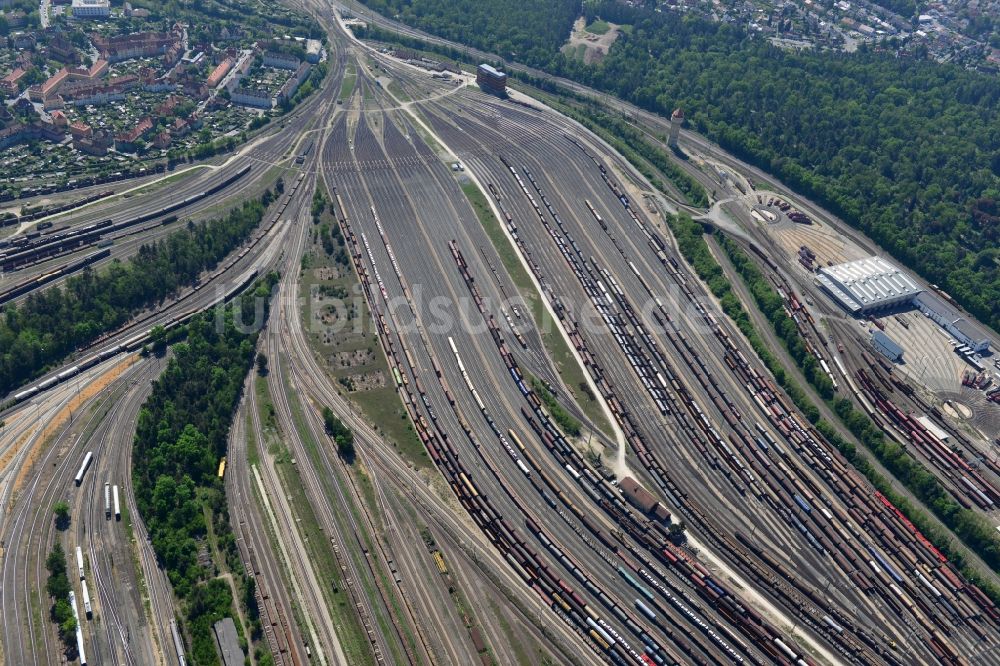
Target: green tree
x,y
61,511
57,584
340,433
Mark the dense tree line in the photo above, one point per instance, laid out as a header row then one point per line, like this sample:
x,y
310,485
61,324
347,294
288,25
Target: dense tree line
x,y
342,436
566,421
180,437
967,525
525,31
59,588
771,305
330,236
908,150
51,324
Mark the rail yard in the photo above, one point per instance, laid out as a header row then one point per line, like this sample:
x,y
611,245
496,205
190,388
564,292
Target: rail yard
x,y
703,518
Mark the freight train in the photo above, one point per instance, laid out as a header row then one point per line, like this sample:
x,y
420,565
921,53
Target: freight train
x,y
36,247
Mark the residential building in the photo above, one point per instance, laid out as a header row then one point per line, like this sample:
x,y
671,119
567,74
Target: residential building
x,y
254,97
91,8
162,140
16,19
167,107
281,60
10,84
62,49
137,45
51,131
97,144
53,102
18,132
313,50
219,73
183,126
97,97
23,107
41,91
126,141
23,40
84,92
12,134
288,89
173,54
98,69
81,130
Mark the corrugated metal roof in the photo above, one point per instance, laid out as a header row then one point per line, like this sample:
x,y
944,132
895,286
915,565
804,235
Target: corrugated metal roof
x,y
871,282
492,71
887,343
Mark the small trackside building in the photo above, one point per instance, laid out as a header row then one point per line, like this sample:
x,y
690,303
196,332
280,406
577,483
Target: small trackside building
x,y
886,346
643,500
491,80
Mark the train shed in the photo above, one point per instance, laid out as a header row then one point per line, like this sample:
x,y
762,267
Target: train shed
x,y
867,285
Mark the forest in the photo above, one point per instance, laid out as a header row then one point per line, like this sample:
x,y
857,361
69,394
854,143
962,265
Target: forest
x,y
180,436
906,150
49,325
517,30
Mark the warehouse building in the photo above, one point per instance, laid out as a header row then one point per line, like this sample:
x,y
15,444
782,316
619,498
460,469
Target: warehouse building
x,y
491,80
228,642
867,285
886,346
948,318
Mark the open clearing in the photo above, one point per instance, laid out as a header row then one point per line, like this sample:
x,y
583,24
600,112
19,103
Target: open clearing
x,y
591,43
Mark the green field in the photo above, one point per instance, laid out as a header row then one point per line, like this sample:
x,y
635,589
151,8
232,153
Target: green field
x,y
598,27
347,85
367,381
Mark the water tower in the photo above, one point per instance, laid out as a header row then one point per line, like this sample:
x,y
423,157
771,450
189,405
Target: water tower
x,y
676,120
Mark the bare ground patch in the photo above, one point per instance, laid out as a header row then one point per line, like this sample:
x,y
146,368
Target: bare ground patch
x,y
589,46
364,381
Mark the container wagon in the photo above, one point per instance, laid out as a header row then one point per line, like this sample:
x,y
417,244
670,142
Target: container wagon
x,y
79,631
87,608
117,506
178,643
83,467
